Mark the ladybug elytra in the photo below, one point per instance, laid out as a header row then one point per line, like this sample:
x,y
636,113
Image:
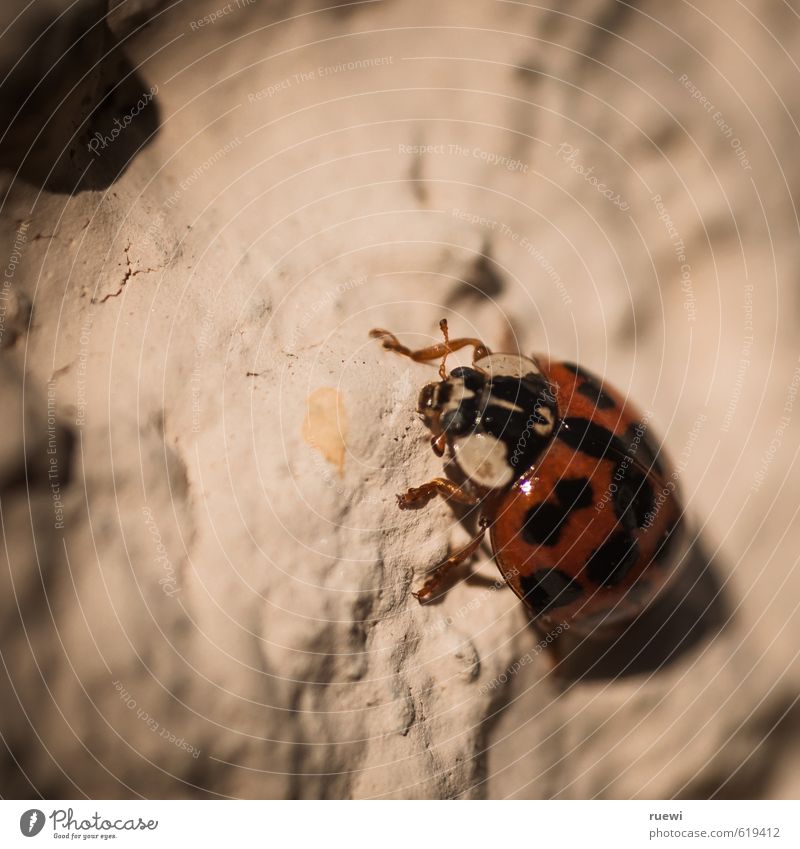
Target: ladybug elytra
x,y
579,502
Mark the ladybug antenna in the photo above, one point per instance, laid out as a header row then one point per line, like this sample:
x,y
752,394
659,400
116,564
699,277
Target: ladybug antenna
x,y
445,333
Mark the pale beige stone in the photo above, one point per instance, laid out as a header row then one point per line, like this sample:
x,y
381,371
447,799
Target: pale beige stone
x,y
223,613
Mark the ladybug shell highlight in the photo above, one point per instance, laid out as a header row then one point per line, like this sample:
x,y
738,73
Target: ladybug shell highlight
x,y
587,533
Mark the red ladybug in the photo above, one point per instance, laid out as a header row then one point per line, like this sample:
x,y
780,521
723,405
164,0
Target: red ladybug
x,y
582,509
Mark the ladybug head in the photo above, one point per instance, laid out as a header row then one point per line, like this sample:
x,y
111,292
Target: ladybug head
x,y
495,417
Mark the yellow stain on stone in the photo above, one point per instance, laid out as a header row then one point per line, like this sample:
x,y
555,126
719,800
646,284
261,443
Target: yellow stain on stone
x,y
325,426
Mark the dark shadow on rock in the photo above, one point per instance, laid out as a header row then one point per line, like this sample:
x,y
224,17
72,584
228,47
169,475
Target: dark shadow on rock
x,y
124,122
77,112
691,610
483,282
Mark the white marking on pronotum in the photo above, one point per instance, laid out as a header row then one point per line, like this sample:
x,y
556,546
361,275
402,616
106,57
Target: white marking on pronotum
x,y
483,459
507,365
494,401
458,393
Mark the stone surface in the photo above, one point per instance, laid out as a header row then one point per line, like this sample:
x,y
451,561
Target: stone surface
x,y
208,581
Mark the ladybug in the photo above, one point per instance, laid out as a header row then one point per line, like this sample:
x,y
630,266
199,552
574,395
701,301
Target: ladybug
x,y
580,503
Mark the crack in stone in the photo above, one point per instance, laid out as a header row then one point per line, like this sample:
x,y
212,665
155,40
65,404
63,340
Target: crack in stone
x,y
130,272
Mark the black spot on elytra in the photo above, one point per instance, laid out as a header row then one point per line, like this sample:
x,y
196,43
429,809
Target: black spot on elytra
x,y
544,523
590,438
610,563
633,496
548,588
574,493
577,370
592,390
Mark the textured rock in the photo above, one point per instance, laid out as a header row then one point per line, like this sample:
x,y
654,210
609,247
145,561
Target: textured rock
x,y
215,599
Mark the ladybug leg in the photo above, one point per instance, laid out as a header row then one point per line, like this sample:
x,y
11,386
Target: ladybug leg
x,y
419,495
432,352
438,576
439,444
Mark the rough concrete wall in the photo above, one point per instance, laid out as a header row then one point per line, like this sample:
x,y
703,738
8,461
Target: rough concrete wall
x,y
207,589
